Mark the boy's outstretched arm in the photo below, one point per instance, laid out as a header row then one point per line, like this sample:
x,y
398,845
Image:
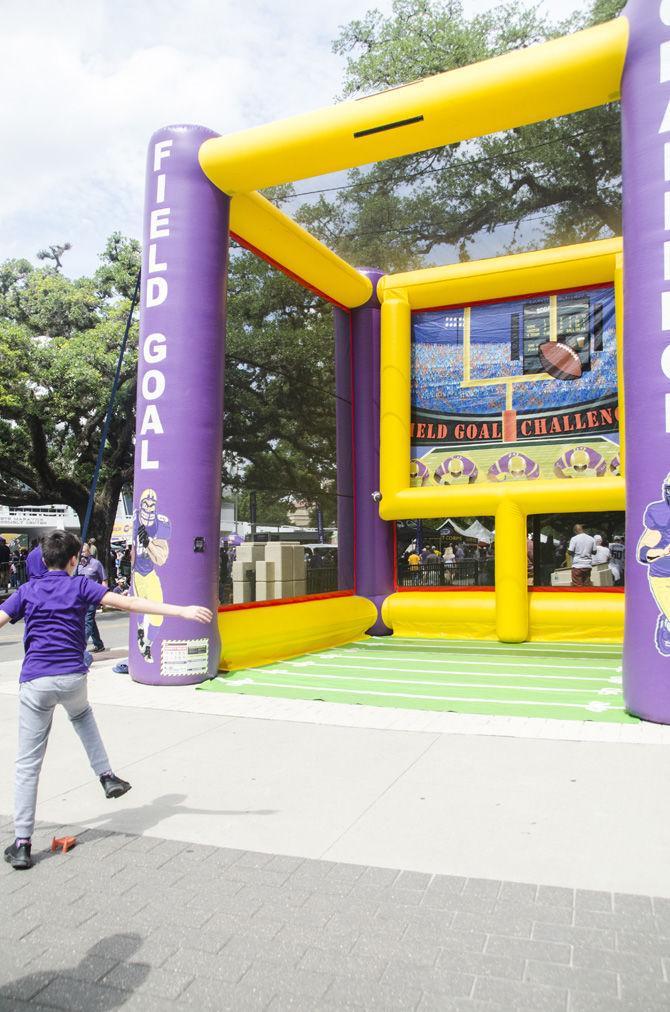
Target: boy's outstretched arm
x,y
144,606
4,618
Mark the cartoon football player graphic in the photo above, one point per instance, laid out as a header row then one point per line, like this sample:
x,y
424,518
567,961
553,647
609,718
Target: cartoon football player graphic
x,y
151,533
580,462
419,474
456,470
615,465
653,550
514,466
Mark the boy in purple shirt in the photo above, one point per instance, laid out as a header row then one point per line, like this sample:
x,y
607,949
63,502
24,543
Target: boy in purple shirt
x,y
54,671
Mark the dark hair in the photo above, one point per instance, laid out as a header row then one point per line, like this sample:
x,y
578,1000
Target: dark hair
x,y
58,549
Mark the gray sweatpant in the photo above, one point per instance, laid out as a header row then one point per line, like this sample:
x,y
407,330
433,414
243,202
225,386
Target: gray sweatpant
x,y
37,701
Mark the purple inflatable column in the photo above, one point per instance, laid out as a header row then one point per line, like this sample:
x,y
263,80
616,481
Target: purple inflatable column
x,y
177,485
345,448
373,537
646,229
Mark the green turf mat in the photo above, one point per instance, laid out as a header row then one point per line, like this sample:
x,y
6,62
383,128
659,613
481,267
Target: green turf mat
x,y
564,681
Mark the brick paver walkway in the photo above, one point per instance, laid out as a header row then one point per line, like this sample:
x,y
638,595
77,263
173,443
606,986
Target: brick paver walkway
x,y
151,924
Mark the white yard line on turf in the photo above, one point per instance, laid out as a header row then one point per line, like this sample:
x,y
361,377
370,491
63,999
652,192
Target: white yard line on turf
x,y
600,679
447,669
592,691
387,642
594,707
457,663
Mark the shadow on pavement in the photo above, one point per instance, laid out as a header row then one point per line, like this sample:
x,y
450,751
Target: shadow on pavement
x,y
151,815
55,986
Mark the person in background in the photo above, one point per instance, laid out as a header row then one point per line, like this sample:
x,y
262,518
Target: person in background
x,y
601,553
618,553
580,553
92,548
5,560
35,568
125,565
91,568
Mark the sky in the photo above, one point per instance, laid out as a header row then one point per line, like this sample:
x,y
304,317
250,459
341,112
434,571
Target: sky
x,y
86,83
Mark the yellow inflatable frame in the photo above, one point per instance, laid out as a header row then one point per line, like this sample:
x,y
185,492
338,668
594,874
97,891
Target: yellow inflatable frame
x,y
463,284
544,81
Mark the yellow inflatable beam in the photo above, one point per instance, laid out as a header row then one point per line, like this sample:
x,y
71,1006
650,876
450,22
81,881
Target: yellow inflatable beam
x,y
263,228
505,277
251,636
553,616
481,280
541,82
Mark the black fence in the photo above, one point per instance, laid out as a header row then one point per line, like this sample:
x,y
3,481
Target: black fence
x,y
463,573
321,579
318,580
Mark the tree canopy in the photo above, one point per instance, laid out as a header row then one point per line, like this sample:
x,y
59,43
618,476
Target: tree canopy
x,y
59,342
559,178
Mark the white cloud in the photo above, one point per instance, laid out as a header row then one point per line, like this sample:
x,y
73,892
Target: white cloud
x,y
86,83
90,82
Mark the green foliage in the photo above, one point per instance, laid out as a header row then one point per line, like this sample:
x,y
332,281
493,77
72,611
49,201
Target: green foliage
x,y
279,428
59,342
562,176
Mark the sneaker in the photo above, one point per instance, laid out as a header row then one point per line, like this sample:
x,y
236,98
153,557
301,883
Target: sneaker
x,y
98,650
114,787
19,856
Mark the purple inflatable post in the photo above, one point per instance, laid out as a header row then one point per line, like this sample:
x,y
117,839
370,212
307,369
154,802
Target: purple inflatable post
x,y
177,492
646,229
373,537
344,435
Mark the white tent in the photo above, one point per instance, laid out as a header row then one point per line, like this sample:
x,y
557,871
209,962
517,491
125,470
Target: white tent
x,y
476,531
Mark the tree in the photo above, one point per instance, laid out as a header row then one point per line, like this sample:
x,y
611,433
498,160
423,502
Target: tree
x,y
561,176
279,425
59,342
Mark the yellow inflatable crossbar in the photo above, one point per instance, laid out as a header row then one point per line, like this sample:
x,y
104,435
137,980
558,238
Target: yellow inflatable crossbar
x,y
505,277
262,227
552,79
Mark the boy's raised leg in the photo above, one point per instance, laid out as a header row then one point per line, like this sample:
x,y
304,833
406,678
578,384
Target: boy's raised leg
x,y
74,697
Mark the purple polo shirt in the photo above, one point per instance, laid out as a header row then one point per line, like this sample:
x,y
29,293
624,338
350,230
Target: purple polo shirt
x,y
92,568
54,609
35,567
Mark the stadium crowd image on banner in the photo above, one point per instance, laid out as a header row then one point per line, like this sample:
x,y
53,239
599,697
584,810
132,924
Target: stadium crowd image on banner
x,y
483,408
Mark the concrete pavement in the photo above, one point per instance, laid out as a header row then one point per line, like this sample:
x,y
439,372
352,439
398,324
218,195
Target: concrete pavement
x,y
341,817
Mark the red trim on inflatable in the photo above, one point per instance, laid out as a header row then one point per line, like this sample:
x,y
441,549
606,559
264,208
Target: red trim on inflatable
x,y
579,590
518,298
285,600
286,271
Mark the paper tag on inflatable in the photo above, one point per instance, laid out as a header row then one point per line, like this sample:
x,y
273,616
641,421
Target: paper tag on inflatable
x,y
184,657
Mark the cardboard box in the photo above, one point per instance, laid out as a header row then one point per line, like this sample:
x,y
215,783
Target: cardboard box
x,y
242,592
298,563
561,578
265,572
251,551
282,555
243,572
601,575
